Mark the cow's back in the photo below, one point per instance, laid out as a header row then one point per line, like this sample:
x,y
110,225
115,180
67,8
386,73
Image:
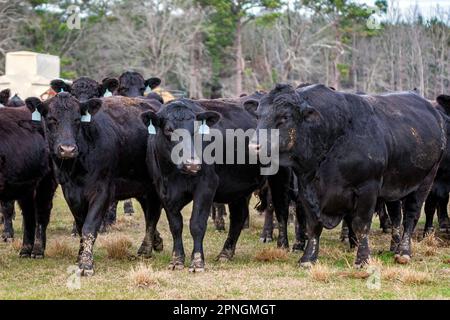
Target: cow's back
x,y
23,150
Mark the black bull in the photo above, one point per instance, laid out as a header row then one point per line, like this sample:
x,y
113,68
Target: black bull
x,y
193,180
99,161
350,151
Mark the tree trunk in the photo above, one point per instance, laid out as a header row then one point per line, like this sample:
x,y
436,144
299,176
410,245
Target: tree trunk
x,y
239,58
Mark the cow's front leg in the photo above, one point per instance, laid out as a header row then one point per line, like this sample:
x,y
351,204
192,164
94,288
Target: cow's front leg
x,y
97,210
300,228
173,208
279,190
203,200
152,211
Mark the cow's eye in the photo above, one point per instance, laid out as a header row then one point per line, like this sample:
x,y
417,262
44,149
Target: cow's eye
x,y
77,121
52,121
281,120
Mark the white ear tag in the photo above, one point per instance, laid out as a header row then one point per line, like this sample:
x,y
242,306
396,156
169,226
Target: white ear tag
x,y
203,129
107,93
86,118
2,106
151,128
62,90
147,90
36,116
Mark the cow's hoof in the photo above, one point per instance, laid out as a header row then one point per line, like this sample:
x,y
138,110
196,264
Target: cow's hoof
x,y
360,264
25,252
428,231
145,251
225,256
176,265
266,239
158,244
37,255
299,246
85,272
198,264
306,265
402,259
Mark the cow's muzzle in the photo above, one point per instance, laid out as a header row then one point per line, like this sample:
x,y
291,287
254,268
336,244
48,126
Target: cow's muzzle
x,y
67,151
192,166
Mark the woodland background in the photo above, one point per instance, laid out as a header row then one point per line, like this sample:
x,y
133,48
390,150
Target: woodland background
x,y
234,46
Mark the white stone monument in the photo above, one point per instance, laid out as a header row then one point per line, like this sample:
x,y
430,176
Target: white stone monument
x,y
28,73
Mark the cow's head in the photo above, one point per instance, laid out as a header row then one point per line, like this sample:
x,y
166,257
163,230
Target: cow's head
x,y
4,96
283,109
85,88
62,115
175,127
133,84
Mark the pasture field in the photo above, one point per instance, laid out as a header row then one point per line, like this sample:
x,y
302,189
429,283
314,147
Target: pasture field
x,y
258,271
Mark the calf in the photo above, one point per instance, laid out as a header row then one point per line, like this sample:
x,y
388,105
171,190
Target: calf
x,y
437,200
180,183
99,156
26,176
350,151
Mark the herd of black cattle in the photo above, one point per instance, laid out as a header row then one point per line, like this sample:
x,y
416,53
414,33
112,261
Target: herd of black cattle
x,y
343,157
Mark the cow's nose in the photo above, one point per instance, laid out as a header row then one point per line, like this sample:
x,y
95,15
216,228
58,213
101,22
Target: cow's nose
x,y
67,151
192,165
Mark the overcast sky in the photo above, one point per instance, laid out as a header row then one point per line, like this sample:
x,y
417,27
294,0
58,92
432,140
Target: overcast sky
x,y
427,7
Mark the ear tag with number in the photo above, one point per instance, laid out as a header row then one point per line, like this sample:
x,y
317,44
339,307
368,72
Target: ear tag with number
x,y
203,129
86,118
151,128
107,93
147,90
36,116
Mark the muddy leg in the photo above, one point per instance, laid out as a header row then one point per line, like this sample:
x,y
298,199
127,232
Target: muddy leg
x,y
8,213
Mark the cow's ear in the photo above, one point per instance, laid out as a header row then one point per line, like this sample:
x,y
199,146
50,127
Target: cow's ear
x,y
310,114
211,117
444,101
152,82
152,116
92,106
59,85
34,104
4,96
110,84
251,106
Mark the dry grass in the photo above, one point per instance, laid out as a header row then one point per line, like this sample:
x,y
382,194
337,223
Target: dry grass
x,y
406,276
16,245
272,254
59,249
142,276
321,272
117,246
429,246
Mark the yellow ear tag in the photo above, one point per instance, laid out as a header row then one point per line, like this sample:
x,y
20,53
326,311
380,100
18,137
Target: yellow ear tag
x,y
151,128
86,118
203,129
36,116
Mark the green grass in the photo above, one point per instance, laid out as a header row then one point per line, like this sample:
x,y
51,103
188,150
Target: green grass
x,y
426,277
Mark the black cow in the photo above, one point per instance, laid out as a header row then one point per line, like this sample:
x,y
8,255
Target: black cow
x,y
349,151
438,198
178,184
7,211
85,88
26,176
99,156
